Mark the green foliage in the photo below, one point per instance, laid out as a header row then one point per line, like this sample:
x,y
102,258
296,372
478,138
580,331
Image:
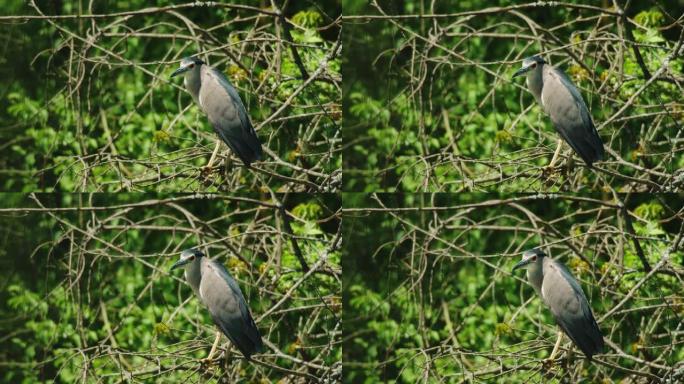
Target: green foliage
x,y
308,19
310,211
102,115
652,18
431,106
429,295
94,289
24,301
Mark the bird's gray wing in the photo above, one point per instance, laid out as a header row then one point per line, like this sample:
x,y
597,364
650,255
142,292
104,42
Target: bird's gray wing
x,y
564,296
222,104
563,102
228,307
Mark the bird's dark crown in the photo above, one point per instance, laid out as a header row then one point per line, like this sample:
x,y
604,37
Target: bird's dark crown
x,y
535,251
194,60
193,251
536,59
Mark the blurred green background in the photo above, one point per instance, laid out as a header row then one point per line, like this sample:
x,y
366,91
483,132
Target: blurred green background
x,y
88,105
87,295
429,104
429,296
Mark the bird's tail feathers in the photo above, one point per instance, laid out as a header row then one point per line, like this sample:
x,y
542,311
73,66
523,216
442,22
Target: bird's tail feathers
x,y
247,147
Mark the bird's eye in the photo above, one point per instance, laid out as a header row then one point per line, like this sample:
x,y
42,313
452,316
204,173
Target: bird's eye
x,y
534,258
534,65
192,257
192,65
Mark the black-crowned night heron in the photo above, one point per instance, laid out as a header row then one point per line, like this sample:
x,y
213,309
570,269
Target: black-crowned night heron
x,y
221,294
561,100
216,97
563,295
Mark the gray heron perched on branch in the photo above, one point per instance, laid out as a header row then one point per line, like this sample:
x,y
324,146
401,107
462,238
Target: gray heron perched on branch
x,y
222,296
561,100
219,100
563,295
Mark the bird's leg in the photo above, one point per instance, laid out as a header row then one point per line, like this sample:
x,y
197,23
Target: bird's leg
x,y
555,348
213,155
549,169
556,154
213,347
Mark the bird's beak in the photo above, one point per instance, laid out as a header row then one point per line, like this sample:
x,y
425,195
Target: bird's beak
x,y
521,264
521,71
180,263
180,70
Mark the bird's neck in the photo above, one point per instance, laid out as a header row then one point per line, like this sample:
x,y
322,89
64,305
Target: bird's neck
x,y
193,275
193,82
535,83
535,276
